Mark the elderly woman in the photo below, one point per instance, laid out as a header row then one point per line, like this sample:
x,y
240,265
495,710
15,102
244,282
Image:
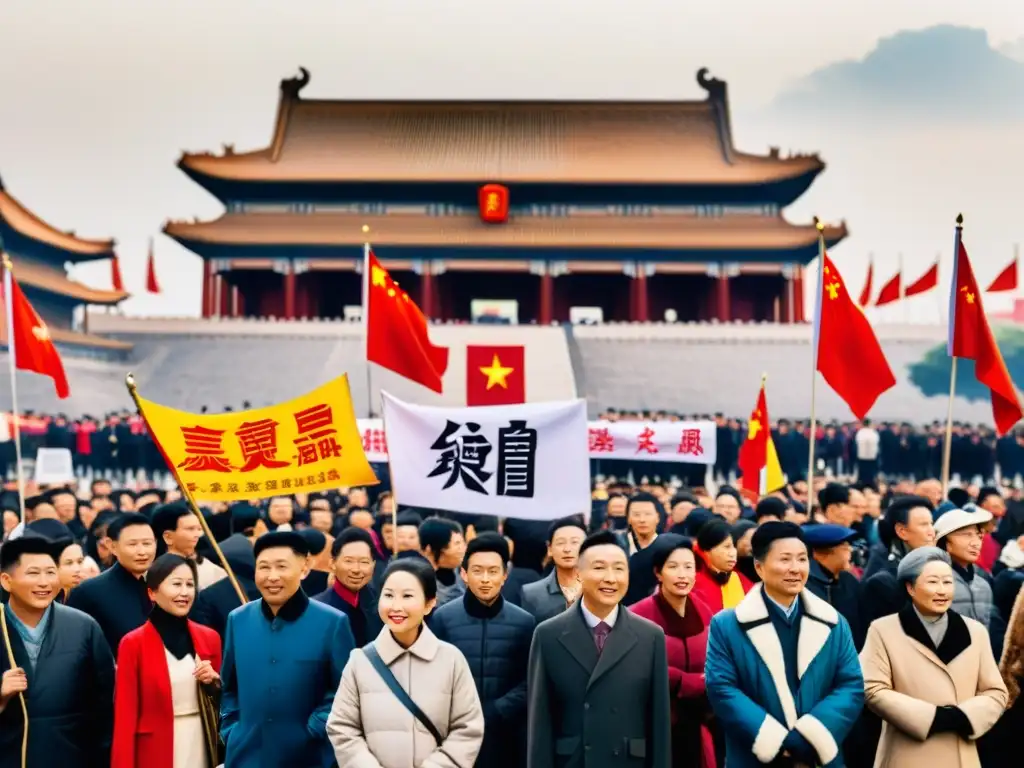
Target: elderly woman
x,y
929,673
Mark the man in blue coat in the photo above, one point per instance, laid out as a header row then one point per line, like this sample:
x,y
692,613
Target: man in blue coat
x,y
782,672
283,658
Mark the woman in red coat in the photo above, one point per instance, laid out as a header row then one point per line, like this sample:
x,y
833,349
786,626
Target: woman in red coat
x,y
167,676
718,584
685,621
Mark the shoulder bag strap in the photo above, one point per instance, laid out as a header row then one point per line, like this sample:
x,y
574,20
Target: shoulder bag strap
x,y
396,688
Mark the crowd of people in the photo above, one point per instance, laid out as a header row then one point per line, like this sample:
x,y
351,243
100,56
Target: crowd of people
x,y
862,623
118,446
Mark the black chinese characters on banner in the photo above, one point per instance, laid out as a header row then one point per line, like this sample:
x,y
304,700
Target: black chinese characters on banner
x,y
463,454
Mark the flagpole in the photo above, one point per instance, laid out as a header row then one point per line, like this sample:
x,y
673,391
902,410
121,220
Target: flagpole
x,y
812,437
947,446
12,356
903,289
366,322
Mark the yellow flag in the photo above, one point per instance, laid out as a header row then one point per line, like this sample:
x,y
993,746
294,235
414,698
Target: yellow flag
x,y
311,443
772,478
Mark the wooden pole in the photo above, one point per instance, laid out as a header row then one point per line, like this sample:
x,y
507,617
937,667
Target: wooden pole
x,y
812,437
21,696
186,493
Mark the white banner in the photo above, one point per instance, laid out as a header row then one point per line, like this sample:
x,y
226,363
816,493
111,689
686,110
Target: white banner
x,y
685,442
689,442
527,461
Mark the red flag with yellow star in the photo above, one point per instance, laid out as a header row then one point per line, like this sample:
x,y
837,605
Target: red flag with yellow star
x,y
396,330
30,338
495,375
758,461
970,337
846,351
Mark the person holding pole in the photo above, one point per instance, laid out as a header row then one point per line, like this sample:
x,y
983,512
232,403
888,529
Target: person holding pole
x,y
57,671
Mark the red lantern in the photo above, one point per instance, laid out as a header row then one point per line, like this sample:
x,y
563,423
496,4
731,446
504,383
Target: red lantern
x,y
493,201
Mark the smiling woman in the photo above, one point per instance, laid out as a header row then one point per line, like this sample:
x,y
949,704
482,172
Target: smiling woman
x,y
405,661
168,647
928,719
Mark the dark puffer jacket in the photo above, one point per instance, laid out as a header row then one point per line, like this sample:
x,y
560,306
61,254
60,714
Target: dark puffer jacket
x,y
495,639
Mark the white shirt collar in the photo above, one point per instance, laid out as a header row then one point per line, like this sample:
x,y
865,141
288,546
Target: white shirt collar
x,y
593,621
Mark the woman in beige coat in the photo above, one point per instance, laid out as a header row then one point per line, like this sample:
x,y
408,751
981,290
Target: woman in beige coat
x,y
929,673
369,725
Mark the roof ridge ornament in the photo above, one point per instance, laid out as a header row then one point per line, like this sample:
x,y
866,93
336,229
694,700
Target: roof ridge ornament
x,y
716,88
291,87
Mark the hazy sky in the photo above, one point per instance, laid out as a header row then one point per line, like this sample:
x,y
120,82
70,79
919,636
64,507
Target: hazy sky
x,y
99,97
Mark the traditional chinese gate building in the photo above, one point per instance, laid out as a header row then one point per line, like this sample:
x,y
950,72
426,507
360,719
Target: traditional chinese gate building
x,y
632,207
40,253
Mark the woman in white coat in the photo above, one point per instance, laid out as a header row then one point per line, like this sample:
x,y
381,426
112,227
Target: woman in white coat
x,y
406,700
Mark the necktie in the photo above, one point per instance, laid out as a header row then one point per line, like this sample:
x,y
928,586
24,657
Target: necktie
x,y
601,636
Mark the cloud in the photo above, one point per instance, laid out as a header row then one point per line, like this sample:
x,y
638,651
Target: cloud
x,y
944,72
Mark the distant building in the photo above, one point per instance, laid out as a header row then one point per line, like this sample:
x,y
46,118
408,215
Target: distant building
x,y
40,253
630,209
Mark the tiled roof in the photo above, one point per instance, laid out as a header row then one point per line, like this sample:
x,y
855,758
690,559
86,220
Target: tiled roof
x,y
30,225
668,232
667,142
41,278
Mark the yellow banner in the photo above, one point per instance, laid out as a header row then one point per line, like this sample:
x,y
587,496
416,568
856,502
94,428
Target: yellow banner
x,y
311,443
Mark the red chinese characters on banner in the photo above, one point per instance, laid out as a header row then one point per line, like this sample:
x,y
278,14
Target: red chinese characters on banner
x,y
689,443
600,440
645,441
258,443
204,450
317,435
375,442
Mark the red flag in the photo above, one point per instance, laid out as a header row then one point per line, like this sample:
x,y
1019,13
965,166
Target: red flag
x,y
865,294
1005,280
890,292
27,333
758,459
925,282
847,353
115,274
495,375
151,284
396,330
970,338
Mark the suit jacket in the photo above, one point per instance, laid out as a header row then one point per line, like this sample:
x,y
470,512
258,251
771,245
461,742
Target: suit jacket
x,y
591,711
748,686
544,598
70,696
117,600
143,709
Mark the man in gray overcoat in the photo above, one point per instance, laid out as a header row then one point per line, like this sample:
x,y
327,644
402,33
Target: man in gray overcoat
x,y
598,676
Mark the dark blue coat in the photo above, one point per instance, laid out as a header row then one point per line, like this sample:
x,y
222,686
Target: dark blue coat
x,y
278,680
363,619
495,640
70,696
